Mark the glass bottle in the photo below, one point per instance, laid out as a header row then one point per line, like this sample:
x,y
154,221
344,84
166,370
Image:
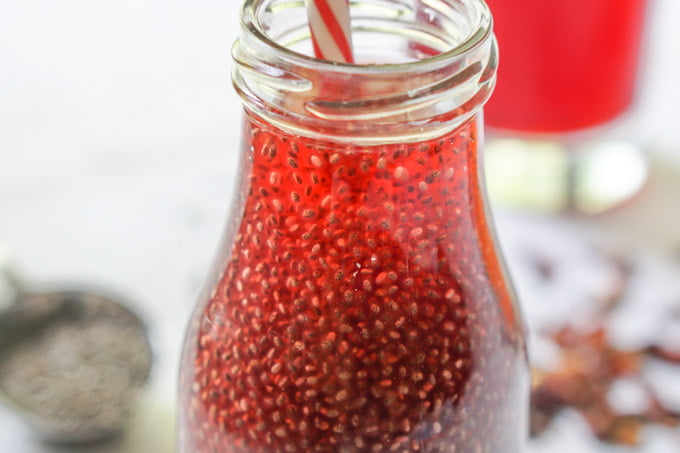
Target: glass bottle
x,y
359,302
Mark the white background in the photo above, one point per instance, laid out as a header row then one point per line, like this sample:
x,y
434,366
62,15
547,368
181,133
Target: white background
x,y
118,133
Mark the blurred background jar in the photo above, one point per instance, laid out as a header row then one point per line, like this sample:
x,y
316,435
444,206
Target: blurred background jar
x,y
568,74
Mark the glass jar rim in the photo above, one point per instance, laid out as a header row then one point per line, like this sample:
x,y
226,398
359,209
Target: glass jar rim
x,y
478,34
448,73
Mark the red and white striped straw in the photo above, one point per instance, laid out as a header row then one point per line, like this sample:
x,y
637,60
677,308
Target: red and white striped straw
x,y
329,23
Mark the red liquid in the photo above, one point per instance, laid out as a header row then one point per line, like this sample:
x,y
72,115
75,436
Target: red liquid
x,y
362,308
564,64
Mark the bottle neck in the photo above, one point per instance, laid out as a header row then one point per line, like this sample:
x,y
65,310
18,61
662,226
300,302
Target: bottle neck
x,y
451,162
441,69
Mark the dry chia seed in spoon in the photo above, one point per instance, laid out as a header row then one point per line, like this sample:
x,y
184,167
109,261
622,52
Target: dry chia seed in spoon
x,y
71,363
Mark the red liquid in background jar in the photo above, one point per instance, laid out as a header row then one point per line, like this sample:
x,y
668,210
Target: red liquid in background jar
x,y
362,309
564,65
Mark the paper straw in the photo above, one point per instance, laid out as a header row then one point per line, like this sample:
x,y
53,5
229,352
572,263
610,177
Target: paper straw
x,y
329,24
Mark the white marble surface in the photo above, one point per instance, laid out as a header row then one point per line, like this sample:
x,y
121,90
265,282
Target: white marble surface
x,y
118,128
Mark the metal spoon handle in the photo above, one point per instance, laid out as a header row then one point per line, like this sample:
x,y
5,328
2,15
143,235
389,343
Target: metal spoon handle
x,y
11,286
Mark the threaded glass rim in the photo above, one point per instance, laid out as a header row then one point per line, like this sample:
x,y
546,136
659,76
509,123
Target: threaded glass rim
x,y
480,29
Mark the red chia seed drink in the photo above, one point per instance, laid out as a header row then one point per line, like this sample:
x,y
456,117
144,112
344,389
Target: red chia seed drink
x,y
359,303
565,65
